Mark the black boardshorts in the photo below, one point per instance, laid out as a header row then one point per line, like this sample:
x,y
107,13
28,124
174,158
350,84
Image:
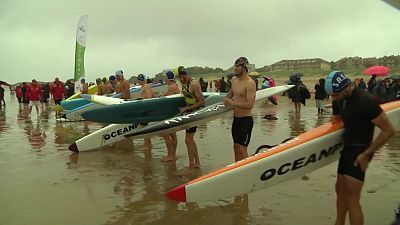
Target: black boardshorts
x,y
241,130
347,158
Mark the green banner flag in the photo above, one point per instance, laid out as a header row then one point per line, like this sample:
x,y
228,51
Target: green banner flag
x,y
80,47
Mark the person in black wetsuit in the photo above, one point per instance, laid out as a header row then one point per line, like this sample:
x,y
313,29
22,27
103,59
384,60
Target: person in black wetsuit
x,y
360,113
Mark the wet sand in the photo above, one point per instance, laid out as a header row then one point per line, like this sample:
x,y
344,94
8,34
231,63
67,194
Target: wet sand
x,y
42,182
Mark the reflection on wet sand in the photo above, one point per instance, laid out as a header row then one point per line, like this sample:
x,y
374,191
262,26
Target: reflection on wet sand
x,y
125,184
34,133
3,123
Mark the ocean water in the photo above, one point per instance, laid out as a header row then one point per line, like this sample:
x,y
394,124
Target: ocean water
x,y
42,182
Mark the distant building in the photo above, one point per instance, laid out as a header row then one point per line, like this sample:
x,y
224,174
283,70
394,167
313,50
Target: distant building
x,y
350,62
300,64
361,63
390,61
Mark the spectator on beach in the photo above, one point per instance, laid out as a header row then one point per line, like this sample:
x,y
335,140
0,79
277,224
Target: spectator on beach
x,y
229,83
299,93
362,85
24,88
34,93
222,85
45,94
394,93
69,89
255,81
18,94
381,91
371,83
57,91
360,114
203,84
320,95
216,85
265,83
2,101
268,83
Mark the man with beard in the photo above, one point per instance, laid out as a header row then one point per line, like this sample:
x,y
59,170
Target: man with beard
x,y
241,97
360,113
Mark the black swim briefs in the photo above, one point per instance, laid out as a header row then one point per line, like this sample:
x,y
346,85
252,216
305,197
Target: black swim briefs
x,y
191,130
241,130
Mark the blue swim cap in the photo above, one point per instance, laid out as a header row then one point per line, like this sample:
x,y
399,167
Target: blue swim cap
x,y
170,75
112,77
335,82
141,77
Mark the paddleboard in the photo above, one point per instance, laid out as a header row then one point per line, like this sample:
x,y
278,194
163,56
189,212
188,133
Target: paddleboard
x,y
91,90
115,132
106,100
198,117
138,111
76,114
73,103
103,137
64,120
296,157
78,102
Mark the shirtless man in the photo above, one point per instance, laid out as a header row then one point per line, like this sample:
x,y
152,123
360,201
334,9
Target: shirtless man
x,y
85,86
123,85
170,139
147,92
194,99
241,96
99,86
106,88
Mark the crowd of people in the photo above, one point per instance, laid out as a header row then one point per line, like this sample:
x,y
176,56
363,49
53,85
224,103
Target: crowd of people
x,y
41,94
355,102
382,90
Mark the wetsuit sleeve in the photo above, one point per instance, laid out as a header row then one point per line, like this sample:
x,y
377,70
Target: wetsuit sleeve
x,y
374,109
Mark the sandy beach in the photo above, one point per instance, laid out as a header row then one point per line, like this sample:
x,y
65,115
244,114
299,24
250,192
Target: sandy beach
x,y
44,183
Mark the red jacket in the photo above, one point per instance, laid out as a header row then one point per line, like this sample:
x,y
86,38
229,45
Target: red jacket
x,y
57,90
18,92
34,92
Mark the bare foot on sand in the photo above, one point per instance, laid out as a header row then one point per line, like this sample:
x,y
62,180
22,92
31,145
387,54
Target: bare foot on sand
x,y
188,170
168,159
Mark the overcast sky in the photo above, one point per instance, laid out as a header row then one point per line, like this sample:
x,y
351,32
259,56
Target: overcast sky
x,y
145,36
